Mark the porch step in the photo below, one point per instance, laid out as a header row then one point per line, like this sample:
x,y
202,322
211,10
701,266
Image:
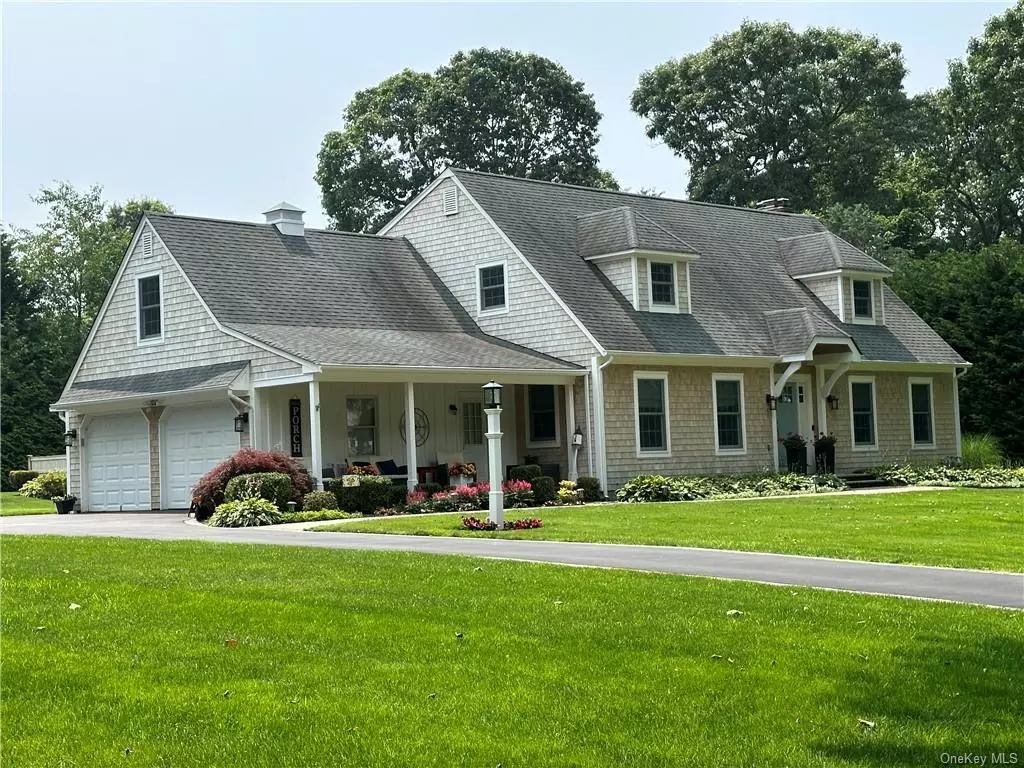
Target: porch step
x,y
863,480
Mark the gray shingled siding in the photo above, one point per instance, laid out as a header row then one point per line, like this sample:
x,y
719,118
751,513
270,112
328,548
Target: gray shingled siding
x,y
692,424
190,336
684,297
580,402
643,276
453,245
620,273
892,403
826,289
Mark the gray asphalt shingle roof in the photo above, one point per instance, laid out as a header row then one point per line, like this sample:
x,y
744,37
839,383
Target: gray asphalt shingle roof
x,y
622,229
824,252
305,294
792,330
204,377
739,276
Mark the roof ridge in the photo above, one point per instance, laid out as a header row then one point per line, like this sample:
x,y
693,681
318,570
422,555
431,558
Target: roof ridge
x,y
632,236
787,309
602,212
264,225
635,194
805,234
837,260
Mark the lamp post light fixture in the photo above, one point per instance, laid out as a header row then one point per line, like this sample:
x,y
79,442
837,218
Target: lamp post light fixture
x,y
492,407
69,438
833,402
577,437
240,421
771,401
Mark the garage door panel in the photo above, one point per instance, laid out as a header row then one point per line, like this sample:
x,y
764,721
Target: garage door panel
x,y
117,463
195,440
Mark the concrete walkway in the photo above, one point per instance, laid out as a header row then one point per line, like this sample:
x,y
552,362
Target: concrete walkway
x,y
960,585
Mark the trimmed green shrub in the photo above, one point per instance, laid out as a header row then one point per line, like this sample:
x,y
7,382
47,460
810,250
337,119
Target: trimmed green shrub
x,y
591,489
956,477
527,472
543,490
46,486
373,492
316,501
19,477
980,451
275,487
245,513
315,515
693,487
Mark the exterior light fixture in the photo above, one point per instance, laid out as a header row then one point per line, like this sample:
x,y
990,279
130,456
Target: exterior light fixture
x,y
453,409
240,421
492,394
577,436
69,438
833,402
771,401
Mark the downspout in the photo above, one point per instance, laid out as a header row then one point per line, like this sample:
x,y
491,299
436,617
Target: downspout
x,y
956,410
591,429
602,448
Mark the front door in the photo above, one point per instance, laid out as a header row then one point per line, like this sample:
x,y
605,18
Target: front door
x,y
793,415
473,425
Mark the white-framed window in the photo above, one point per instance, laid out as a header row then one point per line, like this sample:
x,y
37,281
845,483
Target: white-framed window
x,y
361,424
922,412
863,413
491,288
149,308
730,413
662,286
650,407
542,413
863,300
472,422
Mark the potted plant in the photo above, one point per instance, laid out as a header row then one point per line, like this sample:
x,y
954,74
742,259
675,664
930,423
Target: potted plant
x,y
65,504
461,473
825,453
796,452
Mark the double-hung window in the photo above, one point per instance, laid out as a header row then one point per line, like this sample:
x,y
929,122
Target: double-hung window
x,y
863,305
729,413
663,284
862,413
361,420
150,312
921,419
491,283
650,392
543,427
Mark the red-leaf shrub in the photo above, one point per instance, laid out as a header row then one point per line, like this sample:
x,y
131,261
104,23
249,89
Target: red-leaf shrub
x,y
476,524
524,523
209,491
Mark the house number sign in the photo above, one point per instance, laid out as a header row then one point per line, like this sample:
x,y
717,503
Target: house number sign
x,y
295,425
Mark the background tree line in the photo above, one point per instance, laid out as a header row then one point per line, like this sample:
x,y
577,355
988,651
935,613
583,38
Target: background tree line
x,y
930,184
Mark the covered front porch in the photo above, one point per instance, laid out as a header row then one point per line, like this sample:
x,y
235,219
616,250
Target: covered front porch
x,y
343,417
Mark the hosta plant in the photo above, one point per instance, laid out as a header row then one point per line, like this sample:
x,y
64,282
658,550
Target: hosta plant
x,y
245,513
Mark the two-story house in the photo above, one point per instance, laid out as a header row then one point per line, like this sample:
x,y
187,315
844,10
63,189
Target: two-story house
x,y
675,336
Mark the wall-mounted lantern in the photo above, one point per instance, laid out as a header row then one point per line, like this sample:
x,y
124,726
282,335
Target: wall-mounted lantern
x,y
577,436
69,438
833,402
240,421
771,401
453,409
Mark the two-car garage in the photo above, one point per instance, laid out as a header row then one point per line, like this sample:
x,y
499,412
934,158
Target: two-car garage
x,y
117,456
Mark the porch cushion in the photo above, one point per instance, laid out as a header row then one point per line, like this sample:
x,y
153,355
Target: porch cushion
x,y
388,467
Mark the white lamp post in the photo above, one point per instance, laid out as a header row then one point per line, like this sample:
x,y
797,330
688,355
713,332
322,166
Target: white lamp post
x,y
492,407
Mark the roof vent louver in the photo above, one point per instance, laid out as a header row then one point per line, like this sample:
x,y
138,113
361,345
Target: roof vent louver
x,y
287,218
449,201
147,245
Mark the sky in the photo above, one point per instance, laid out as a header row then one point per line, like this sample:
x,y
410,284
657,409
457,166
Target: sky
x,y
219,109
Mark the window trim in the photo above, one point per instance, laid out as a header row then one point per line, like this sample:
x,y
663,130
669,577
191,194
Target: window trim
x,y
149,340
376,426
862,319
911,381
651,305
851,380
648,453
530,442
502,310
727,451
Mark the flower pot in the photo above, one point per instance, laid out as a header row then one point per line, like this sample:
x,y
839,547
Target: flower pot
x,y
65,507
796,460
825,459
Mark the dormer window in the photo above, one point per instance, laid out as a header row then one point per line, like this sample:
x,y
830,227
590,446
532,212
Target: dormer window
x,y
863,306
663,286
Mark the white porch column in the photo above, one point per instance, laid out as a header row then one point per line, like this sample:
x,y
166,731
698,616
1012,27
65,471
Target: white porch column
x,y
496,499
821,403
315,448
256,419
773,416
410,435
589,437
956,413
570,426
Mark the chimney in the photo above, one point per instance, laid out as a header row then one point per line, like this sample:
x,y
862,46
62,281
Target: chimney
x,y
287,218
777,204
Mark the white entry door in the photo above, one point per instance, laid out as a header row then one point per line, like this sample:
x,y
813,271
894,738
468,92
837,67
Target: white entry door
x,y
194,441
473,422
117,463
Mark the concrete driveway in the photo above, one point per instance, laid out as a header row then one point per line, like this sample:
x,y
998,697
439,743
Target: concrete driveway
x,y
967,586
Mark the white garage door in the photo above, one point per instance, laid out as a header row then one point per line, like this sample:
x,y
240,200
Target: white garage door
x,y
117,463
194,441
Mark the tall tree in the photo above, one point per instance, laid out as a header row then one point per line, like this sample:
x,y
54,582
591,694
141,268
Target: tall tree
x,y
767,111
499,111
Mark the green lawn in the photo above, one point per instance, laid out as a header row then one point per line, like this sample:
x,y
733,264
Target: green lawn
x,y
960,528
369,658
13,503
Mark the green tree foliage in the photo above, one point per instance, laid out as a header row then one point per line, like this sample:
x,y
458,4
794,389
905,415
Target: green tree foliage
x,y
499,111
767,111
975,300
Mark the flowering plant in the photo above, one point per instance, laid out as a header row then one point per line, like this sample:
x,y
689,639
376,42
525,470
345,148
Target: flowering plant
x,y
524,522
476,524
793,441
369,469
822,440
462,469
518,493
